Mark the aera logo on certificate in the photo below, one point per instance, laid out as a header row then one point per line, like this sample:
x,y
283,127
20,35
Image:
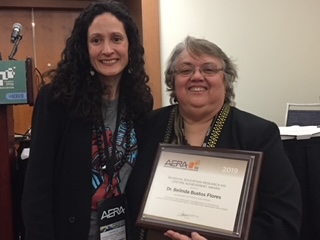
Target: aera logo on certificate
x,y
187,165
183,196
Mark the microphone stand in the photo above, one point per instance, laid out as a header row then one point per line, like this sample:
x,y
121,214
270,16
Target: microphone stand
x,y
15,47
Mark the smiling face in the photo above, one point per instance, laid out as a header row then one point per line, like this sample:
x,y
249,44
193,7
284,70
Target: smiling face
x,y
108,47
198,91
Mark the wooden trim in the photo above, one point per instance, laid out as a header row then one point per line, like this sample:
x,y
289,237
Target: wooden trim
x,y
151,43
44,4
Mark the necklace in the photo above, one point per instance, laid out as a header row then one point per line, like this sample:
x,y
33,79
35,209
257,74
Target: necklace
x,y
175,133
221,118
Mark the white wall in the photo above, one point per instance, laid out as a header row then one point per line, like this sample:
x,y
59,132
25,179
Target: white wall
x,y
275,43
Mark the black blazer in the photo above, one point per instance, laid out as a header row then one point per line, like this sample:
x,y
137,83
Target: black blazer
x,y
278,207
56,203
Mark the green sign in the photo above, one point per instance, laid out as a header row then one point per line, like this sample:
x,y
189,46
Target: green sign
x,y
13,82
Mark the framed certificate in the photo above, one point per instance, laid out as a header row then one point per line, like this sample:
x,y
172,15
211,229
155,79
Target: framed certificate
x,y
207,190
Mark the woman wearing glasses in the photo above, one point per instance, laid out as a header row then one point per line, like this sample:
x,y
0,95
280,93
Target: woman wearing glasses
x,y
200,78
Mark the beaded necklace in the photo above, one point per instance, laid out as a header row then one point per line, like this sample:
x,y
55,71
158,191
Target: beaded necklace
x,y
174,133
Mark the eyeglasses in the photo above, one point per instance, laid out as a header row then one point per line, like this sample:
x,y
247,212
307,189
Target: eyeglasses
x,y
206,70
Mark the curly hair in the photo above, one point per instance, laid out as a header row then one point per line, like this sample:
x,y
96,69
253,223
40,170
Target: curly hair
x,y
200,47
81,93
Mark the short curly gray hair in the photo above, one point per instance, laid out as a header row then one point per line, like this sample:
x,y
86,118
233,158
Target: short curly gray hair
x,y
200,47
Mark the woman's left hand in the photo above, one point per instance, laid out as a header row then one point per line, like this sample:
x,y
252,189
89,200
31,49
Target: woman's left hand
x,y
177,236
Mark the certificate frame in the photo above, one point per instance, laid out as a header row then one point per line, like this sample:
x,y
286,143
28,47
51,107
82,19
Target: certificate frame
x,y
240,169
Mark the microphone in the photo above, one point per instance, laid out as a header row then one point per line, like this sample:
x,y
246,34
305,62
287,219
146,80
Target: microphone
x,y
16,32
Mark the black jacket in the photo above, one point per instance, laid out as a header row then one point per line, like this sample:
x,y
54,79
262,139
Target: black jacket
x,y
278,207
58,190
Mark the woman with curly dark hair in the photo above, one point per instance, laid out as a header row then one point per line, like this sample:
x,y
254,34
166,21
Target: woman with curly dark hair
x,y
85,128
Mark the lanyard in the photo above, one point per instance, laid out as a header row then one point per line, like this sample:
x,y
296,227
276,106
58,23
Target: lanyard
x,y
109,163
